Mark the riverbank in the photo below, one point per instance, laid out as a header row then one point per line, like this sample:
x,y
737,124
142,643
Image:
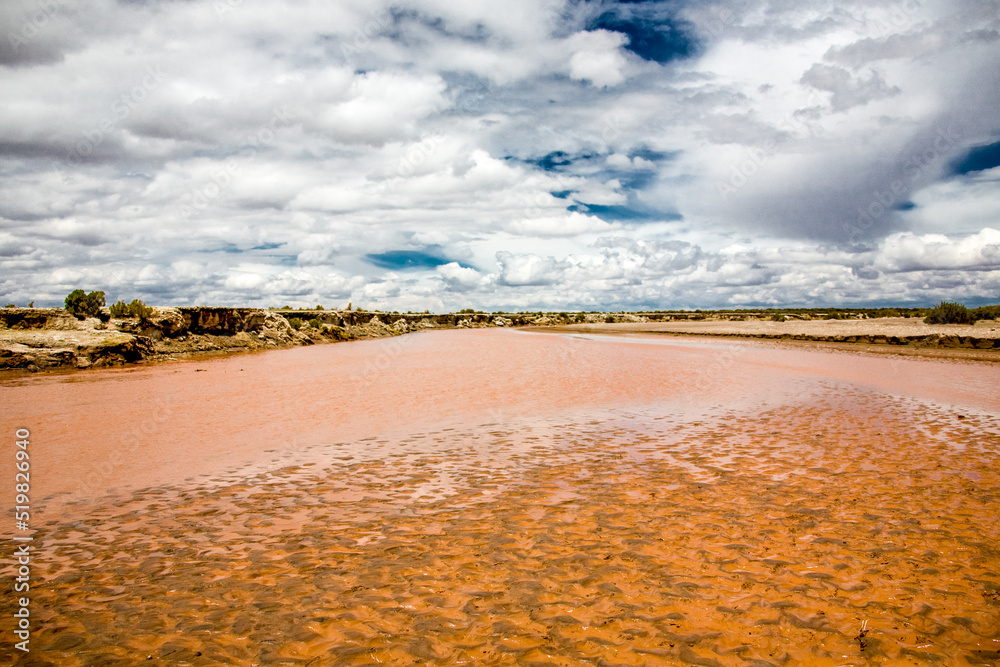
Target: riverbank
x,y
37,339
889,335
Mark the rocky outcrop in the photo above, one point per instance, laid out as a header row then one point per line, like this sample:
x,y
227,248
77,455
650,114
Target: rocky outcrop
x,y
56,349
223,321
36,318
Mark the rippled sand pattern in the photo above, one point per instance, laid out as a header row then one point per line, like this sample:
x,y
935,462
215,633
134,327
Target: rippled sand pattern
x,y
628,539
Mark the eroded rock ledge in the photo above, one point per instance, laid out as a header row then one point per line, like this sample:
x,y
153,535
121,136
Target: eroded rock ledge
x,y
42,338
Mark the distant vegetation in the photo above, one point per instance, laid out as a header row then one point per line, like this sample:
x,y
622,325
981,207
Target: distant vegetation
x,y
986,313
82,304
948,312
136,308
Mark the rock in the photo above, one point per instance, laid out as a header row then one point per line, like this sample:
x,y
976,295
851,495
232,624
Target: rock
x,y
223,321
169,321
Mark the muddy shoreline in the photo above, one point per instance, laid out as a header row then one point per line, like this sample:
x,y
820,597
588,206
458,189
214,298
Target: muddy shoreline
x,y
900,336
33,340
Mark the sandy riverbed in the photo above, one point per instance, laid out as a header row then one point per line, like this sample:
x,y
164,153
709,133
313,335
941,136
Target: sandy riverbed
x,y
497,497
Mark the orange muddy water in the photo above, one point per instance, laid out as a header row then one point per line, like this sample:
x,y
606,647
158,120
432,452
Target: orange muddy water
x,y
499,497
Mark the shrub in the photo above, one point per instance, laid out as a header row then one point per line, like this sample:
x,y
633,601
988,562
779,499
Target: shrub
x,y
981,313
295,322
10,305
82,304
318,307
315,323
948,312
609,319
136,308
777,317
119,310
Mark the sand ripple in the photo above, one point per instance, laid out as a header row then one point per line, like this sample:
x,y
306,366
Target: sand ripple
x,y
631,539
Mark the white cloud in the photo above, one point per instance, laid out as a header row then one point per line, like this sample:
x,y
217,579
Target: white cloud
x,y
273,161
459,278
910,252
569,224
528,270
597,57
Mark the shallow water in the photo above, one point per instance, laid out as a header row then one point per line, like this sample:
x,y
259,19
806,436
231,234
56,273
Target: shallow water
x,y
496,497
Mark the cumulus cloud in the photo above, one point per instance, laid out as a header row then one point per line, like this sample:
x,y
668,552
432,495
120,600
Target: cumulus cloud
x,y
459,278
528,270
569,224
908,252
597,57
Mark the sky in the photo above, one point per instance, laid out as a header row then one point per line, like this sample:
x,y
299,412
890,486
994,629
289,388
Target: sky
x,y
517,155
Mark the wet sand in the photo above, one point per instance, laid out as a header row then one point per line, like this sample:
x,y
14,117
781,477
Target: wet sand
x,y
498,497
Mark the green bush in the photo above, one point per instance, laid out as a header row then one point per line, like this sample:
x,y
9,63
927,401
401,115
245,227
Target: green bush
x,y
136,308
315,323
319,307
295,322
82,304
981,313
949,312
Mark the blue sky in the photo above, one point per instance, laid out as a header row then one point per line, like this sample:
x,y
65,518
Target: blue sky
x,y
531,154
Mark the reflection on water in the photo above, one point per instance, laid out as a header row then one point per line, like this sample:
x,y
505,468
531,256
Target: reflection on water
x,y
638,534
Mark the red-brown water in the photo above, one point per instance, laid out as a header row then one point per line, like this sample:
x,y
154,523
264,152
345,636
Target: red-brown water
x,y
500,497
